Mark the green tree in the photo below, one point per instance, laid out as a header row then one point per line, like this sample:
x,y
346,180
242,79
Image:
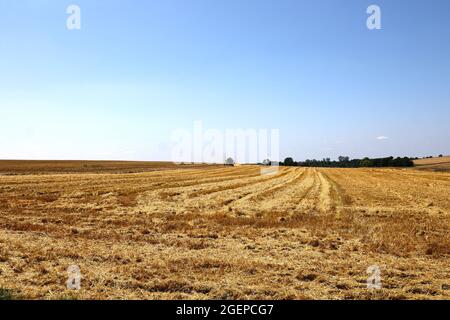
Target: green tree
x,y
366,162
289,161
229,161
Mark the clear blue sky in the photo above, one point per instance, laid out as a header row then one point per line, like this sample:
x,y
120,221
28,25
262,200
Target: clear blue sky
x,y
137,70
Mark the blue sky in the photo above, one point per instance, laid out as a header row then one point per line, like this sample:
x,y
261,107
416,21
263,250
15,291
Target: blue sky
x,y
138,70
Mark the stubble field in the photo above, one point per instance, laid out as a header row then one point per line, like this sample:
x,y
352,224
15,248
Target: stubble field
x,y
213,232
440,164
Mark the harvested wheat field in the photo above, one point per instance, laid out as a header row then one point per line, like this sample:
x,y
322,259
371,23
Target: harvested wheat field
x,y
226,233
433,164
20,167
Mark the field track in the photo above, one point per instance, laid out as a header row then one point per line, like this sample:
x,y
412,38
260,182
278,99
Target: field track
x,y
196,232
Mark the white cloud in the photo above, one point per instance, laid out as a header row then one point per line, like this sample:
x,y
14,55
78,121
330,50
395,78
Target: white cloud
x,y
382,138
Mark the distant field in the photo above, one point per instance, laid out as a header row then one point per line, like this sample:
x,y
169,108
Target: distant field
x,y
224,232
433,164
13,167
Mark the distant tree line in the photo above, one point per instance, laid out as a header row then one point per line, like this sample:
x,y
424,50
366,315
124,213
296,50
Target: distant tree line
x,y
345,162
